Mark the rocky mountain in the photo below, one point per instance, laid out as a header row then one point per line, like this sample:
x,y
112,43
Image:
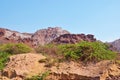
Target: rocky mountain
x,y
40,37
35,66
45,36
74,38
116,45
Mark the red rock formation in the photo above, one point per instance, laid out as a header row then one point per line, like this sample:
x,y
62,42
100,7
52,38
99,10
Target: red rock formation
x,y
9,36
74,38
41,37
45,36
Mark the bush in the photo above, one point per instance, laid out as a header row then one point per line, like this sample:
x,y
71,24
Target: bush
x,y
3,59
84,51
95,51
70,51
15,48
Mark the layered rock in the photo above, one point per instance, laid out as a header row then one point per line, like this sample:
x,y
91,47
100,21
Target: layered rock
x,y
74,38
45,36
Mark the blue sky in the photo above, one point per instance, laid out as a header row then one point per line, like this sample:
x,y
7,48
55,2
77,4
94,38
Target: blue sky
x,y
98,17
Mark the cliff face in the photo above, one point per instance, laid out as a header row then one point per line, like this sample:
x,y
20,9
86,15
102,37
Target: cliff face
x,y
45,36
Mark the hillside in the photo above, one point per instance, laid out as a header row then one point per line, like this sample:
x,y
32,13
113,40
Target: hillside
x,y
56,54
24,66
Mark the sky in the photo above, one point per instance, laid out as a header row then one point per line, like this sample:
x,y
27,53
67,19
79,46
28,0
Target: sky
x,y
98,17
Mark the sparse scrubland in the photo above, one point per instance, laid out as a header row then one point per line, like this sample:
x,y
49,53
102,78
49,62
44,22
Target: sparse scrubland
x,y
15,48
83,51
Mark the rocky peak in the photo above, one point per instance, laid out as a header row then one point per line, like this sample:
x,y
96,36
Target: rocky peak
x,y
45,36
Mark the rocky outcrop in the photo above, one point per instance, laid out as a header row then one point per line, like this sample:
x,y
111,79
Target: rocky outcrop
x,y
9,36
45,36
74,38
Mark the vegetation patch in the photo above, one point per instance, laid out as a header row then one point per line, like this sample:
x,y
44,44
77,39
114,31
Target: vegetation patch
x,y
9,49
3,59
15,48
84,51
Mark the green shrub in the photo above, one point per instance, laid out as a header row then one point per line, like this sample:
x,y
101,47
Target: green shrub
x,y
88,51
3,59
15,48
95,51
70,51
84,51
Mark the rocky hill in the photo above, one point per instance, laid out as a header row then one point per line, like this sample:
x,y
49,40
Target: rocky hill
x,y
116,45
9,36
72,62
40,37
43,36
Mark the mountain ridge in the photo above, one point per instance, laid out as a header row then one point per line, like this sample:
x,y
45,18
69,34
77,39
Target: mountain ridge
x,y
42,36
